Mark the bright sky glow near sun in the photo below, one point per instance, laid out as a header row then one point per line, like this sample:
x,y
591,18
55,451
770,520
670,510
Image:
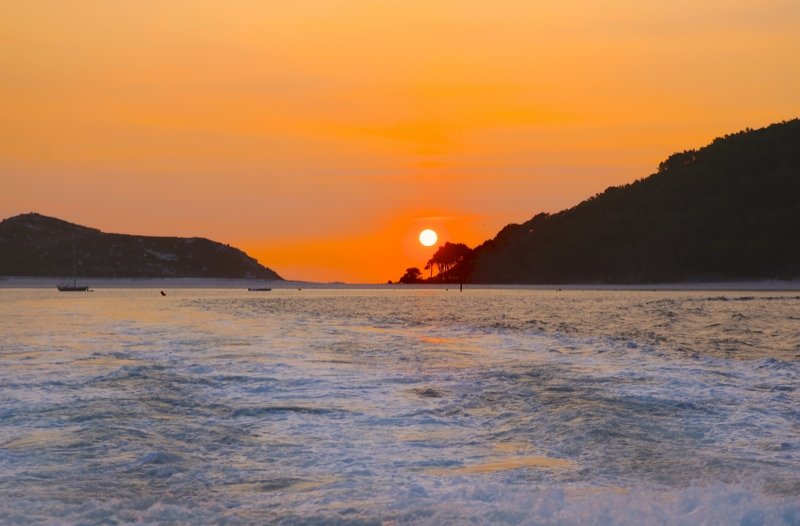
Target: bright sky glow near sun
x,y
322,136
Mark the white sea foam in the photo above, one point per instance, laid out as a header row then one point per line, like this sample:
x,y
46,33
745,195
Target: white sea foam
x,y
399,406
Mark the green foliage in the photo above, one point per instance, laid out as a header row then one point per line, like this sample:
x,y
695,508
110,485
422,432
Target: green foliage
x,y
730,210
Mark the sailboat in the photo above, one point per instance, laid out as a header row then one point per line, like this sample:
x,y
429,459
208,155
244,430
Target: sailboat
x,y
66,287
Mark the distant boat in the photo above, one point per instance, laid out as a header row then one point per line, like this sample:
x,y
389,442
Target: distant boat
x,y
258,289
66,287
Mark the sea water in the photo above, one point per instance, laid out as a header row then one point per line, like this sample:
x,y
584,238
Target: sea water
x,y
399,406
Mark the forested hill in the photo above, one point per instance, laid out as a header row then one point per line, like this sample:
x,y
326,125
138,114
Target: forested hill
x,y
36,245
728,211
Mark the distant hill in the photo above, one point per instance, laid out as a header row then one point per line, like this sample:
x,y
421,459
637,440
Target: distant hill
x,y
728,211
37,245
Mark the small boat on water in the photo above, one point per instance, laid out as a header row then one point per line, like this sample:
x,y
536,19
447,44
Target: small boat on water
x,y
258,289
74,287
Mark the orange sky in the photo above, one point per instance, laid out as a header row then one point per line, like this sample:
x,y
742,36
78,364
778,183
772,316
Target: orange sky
x,y
321,135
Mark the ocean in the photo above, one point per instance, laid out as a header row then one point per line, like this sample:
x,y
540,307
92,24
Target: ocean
x,y
399,406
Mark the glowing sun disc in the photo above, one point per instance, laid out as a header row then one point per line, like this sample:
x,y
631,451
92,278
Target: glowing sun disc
x,y
428,237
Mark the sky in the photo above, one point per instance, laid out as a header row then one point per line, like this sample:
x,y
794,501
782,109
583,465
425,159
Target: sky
x,y
320,136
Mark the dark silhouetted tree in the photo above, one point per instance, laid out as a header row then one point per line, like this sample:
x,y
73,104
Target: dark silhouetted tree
x,y
412,275
447,257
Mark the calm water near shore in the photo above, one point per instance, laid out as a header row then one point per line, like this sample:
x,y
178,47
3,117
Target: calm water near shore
x,y
399,406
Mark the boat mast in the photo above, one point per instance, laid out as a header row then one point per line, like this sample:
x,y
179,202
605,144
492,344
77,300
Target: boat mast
x,y
74,266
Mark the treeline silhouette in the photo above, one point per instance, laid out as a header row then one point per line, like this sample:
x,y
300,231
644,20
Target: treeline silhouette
x,y
451,262
727,211
730,210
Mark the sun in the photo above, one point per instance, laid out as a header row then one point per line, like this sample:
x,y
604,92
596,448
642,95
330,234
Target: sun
x,y
428,237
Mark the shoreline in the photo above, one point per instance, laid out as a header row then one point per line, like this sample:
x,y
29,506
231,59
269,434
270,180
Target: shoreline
x,y
21,282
